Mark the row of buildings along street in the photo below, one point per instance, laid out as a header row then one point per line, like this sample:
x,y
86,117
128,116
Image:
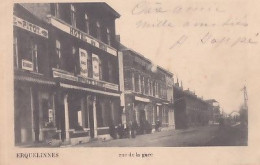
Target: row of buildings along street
x,y
74,81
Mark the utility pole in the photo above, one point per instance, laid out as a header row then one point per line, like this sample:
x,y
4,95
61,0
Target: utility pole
x,y
245,97
244,109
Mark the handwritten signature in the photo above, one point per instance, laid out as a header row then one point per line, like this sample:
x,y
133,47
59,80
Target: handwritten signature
x,y
209,39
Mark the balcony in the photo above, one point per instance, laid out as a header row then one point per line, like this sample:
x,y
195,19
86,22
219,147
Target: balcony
x,y
81,35
58,73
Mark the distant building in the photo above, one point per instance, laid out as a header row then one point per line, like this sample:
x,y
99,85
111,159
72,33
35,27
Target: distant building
x,y
214,111
148,90
189,109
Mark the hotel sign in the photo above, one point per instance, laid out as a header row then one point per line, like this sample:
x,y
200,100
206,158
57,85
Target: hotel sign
x,y
82,36
21,23
60,74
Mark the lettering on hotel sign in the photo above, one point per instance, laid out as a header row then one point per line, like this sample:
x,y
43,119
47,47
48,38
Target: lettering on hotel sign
x,y
21,23
86,80
82,36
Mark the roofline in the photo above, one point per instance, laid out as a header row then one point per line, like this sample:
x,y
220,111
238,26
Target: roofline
x,y
113,10
142,56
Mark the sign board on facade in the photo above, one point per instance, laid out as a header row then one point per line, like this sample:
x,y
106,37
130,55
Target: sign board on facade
x,y
95,64
21,23
27,65
82,36
142,99
85,80
83,59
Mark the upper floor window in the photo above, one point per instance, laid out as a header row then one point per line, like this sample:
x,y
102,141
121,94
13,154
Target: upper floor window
x,y
89,65
110,72
56,10
15,51
108,37
98,30
136,77
34,53
100,70
73,15
86,24
75,64
58,54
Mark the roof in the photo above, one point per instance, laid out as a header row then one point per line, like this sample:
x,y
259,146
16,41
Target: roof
x,y
124,48
106,7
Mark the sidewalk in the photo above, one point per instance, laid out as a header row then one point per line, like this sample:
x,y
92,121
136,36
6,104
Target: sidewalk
x,y
142,140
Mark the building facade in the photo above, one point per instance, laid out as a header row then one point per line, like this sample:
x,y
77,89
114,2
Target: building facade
x,y
189,109
148,91
214,111
66,72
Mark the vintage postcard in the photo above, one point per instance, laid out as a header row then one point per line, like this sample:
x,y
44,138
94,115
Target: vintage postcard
x,y
140,81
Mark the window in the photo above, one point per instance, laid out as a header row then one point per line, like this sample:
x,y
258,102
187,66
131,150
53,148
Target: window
x,y
73,15
56,10
110,72
108,37
136,77
34,52
100,70
142,85
15,49
86,24
75,64
58,54
133,82
98,31
89,65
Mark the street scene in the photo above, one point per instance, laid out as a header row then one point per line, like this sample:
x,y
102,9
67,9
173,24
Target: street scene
x,y
77,85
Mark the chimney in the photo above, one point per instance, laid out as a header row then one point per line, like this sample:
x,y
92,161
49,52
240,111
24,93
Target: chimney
x,y
177,84
118,38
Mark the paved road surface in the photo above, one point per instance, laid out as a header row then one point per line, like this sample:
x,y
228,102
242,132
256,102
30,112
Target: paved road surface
x,y
198,136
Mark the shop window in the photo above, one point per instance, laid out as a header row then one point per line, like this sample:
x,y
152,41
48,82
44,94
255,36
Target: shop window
x,y
15,52
30,53
57,10
108,37
98,30
73,15
47,114
86,24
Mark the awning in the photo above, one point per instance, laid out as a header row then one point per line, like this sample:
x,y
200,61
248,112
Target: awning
x,y
68,86
142,99
34,80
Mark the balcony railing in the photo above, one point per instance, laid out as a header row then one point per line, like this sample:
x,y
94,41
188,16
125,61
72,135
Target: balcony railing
x,y
57,73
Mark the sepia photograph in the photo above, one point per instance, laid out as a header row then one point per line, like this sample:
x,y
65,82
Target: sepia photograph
x,y
130,82
78,83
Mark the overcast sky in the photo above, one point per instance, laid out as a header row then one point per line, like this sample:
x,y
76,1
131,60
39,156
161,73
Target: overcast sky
x,y
196,42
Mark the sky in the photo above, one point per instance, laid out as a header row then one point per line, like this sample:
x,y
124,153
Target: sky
x,y
211,47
